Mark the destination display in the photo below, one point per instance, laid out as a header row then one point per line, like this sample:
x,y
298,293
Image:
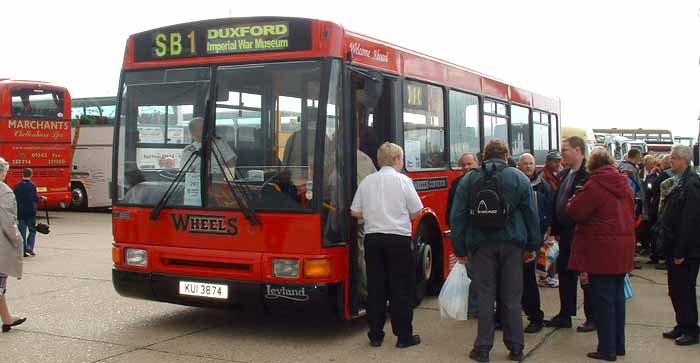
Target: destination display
x,y
222,37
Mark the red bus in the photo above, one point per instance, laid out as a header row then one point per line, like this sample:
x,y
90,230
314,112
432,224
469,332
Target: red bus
x,y
293,110
35,132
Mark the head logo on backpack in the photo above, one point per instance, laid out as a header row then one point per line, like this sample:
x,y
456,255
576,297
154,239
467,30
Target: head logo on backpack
x,y
488,207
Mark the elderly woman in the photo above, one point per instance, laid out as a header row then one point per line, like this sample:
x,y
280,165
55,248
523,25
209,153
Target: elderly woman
x,y
11,247
604,246
387,202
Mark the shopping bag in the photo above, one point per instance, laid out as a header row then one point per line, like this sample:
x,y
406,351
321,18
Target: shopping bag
x,y
629,292
553,253
454,296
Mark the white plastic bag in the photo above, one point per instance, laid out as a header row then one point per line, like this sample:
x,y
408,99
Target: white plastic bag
x,y
454,296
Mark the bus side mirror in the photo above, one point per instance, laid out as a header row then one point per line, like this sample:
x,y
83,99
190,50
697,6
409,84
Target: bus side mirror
x,y
696,155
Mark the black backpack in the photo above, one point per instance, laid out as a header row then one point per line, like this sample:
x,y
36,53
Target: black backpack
x,y
488,207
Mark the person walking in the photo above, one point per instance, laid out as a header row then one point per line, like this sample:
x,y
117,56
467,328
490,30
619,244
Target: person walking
x,y
543,205
27,198
681,217
563,228
387,202
11,247
499,231
604,247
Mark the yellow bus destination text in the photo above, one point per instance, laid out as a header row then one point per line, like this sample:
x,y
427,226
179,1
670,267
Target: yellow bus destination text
x,y
243,45
248,30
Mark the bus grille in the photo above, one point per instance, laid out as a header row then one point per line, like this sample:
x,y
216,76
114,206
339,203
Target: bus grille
x,y
218,265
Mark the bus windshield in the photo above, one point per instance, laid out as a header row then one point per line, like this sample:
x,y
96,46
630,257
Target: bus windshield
x,y
261,131
37,103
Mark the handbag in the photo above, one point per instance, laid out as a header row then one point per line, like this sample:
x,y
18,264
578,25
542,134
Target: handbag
x,y
44,228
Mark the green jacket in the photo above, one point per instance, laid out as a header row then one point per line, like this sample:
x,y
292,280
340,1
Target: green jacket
x,y
522,228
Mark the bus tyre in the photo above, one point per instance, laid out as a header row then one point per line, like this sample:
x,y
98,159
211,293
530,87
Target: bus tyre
x,y
78,197
423,267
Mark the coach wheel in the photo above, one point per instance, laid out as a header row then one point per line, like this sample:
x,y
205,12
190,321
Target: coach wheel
x,y
78,197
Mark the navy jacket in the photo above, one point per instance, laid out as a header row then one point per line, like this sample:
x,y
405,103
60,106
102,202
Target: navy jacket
x,y
27,197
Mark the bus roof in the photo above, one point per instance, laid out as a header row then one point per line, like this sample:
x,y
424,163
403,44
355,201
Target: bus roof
x,y
7,83
308,38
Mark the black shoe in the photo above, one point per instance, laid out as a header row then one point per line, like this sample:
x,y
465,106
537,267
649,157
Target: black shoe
x,y
533,327
497,325
587,327
602,356
479,356
620,353
26,254
516,355
674,333
661,266
686,339
375,343
558,322
8,327
414,340
31,253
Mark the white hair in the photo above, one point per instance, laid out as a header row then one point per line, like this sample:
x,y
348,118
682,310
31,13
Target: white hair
x,y
523,156
4,165
683,151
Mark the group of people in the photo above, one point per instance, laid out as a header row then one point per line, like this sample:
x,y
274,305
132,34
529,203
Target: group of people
x,y
18,223
502,211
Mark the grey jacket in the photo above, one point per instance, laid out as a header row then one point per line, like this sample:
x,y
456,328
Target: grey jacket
x,y
11,246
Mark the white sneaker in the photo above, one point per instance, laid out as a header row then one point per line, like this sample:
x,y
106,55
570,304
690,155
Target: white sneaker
x,y
552,282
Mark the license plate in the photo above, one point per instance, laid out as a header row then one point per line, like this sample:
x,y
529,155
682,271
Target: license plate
x,y
42,189
192,288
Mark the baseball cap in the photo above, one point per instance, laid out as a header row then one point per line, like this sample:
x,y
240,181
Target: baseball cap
x,y
553,155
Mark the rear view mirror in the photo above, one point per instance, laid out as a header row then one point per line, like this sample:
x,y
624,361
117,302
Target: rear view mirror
x,y
696,154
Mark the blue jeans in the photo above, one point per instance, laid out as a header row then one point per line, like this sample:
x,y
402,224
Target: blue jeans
x,y
24,224
473,302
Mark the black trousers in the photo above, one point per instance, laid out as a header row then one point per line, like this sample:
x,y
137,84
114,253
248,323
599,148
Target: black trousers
x,y
681,287
568,283
390,277
531,294
608,295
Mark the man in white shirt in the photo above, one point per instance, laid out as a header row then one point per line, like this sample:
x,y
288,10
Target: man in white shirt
x,y
387,202
229,157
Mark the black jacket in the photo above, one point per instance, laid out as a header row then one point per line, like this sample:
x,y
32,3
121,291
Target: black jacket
x,y
560,227
655,195
450,197
682,216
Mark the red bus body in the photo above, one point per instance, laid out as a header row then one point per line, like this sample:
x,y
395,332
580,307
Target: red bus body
x,y
234,252
41,142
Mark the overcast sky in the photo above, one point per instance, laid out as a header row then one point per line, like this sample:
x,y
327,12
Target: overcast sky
x,y
612,63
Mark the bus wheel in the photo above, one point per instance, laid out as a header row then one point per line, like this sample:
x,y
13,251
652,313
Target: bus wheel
x,y
78,197
424,268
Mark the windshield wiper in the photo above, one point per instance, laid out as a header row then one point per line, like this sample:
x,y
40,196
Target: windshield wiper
x,y
239,192
155,213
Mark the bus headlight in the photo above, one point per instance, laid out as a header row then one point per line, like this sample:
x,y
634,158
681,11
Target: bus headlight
x,y
136,257
317,268
288,268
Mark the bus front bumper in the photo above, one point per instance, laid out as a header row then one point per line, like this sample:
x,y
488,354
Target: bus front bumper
x,y
167,288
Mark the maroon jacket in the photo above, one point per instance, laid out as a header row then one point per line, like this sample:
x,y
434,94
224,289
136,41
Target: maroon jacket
x,y
603,210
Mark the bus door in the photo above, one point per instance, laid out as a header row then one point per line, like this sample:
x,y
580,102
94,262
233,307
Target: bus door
x,y
372,117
